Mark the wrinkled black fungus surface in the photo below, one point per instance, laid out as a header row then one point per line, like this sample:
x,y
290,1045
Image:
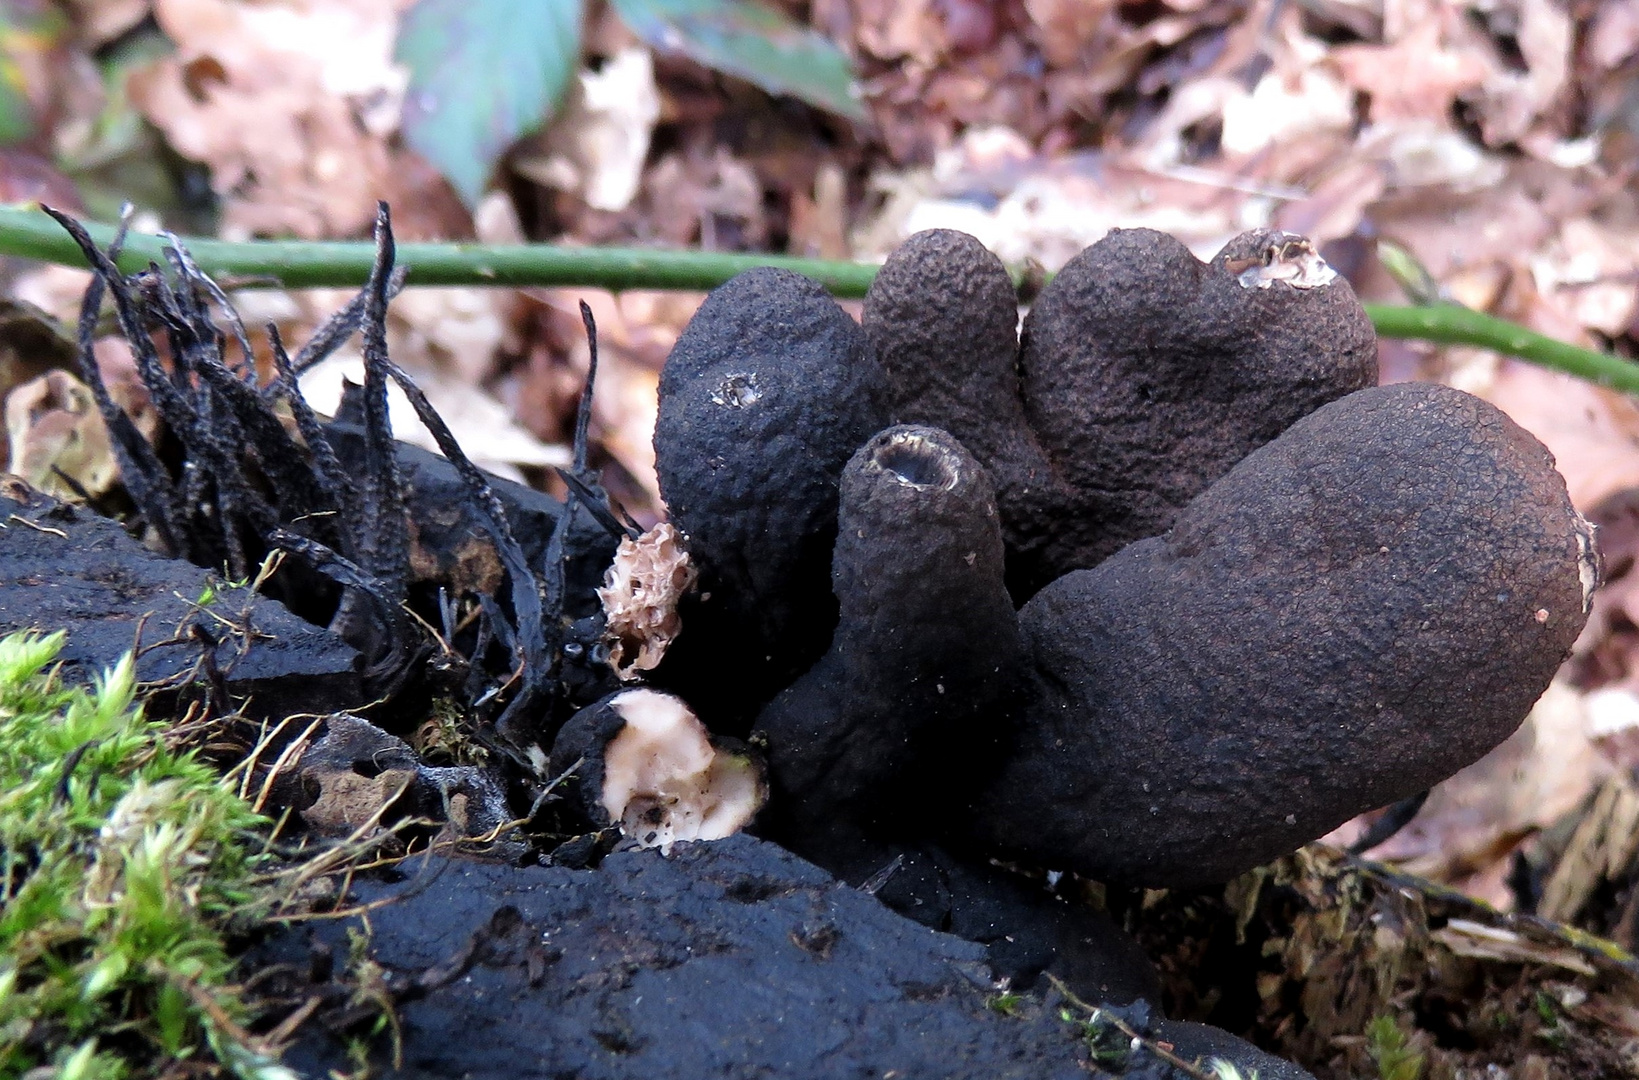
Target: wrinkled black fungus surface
x,y
727,959
767,393
1356,611
1143,374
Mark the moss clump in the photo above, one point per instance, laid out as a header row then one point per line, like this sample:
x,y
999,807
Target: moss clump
x,y
122,870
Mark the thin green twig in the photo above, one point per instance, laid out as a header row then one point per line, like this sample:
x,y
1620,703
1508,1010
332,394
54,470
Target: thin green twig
x,y
28,233
303,264
1449,324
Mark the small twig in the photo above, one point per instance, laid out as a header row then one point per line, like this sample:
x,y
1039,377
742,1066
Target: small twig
x,y
36,526
1097,1015
290,752
304,265
1448,324
287,1027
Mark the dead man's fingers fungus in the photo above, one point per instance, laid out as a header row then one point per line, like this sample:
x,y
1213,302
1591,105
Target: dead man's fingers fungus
x,y
1142,375
927,644
767,393
1354,612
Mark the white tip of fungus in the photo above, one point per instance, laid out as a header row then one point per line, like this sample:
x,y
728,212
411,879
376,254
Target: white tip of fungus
x,y
640,593
1289,258
664,782
917,462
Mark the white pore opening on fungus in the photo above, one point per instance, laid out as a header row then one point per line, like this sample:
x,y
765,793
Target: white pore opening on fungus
x,y
915,462
664,782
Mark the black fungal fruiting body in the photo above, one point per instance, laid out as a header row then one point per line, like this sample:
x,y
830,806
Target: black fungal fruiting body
x,y
1356,610
766,395
1141,376
1353,613
925,646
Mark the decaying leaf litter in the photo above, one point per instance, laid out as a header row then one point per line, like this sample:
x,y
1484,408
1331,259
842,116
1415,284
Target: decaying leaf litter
x,y
1492,142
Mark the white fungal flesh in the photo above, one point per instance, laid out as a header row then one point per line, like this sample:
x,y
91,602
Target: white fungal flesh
x,y
916,462
664,782
737,390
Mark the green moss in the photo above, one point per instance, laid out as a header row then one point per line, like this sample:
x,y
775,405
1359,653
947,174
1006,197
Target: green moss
x,y
1389,1047
121,873
1007,1004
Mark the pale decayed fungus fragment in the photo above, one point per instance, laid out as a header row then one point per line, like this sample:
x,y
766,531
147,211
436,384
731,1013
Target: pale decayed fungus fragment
x,y
640,593
642,760
1286,257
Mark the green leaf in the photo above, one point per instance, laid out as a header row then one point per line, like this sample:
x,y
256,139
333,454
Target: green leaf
x,y
752,42
482,73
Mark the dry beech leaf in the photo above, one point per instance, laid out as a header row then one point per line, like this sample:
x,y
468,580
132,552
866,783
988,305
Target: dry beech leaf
x,y
288,102
598,146
56,437
1418,77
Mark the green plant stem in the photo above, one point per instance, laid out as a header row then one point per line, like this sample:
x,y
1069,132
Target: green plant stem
x,y
302,264
1449,324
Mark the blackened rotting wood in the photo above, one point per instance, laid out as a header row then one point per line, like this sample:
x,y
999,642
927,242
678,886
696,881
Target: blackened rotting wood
x,y
733,958
66,568
1028,931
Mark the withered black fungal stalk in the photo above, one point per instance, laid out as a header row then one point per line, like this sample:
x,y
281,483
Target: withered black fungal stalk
x,y
230,483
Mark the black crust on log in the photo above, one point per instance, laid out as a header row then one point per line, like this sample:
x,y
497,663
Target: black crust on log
x,y
769,390
730,959
927,642
1354,612
1200,1043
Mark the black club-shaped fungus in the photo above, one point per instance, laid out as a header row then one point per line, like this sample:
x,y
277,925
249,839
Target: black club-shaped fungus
x,y
767,393
1143,374
1356,611
927,641
1299,599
